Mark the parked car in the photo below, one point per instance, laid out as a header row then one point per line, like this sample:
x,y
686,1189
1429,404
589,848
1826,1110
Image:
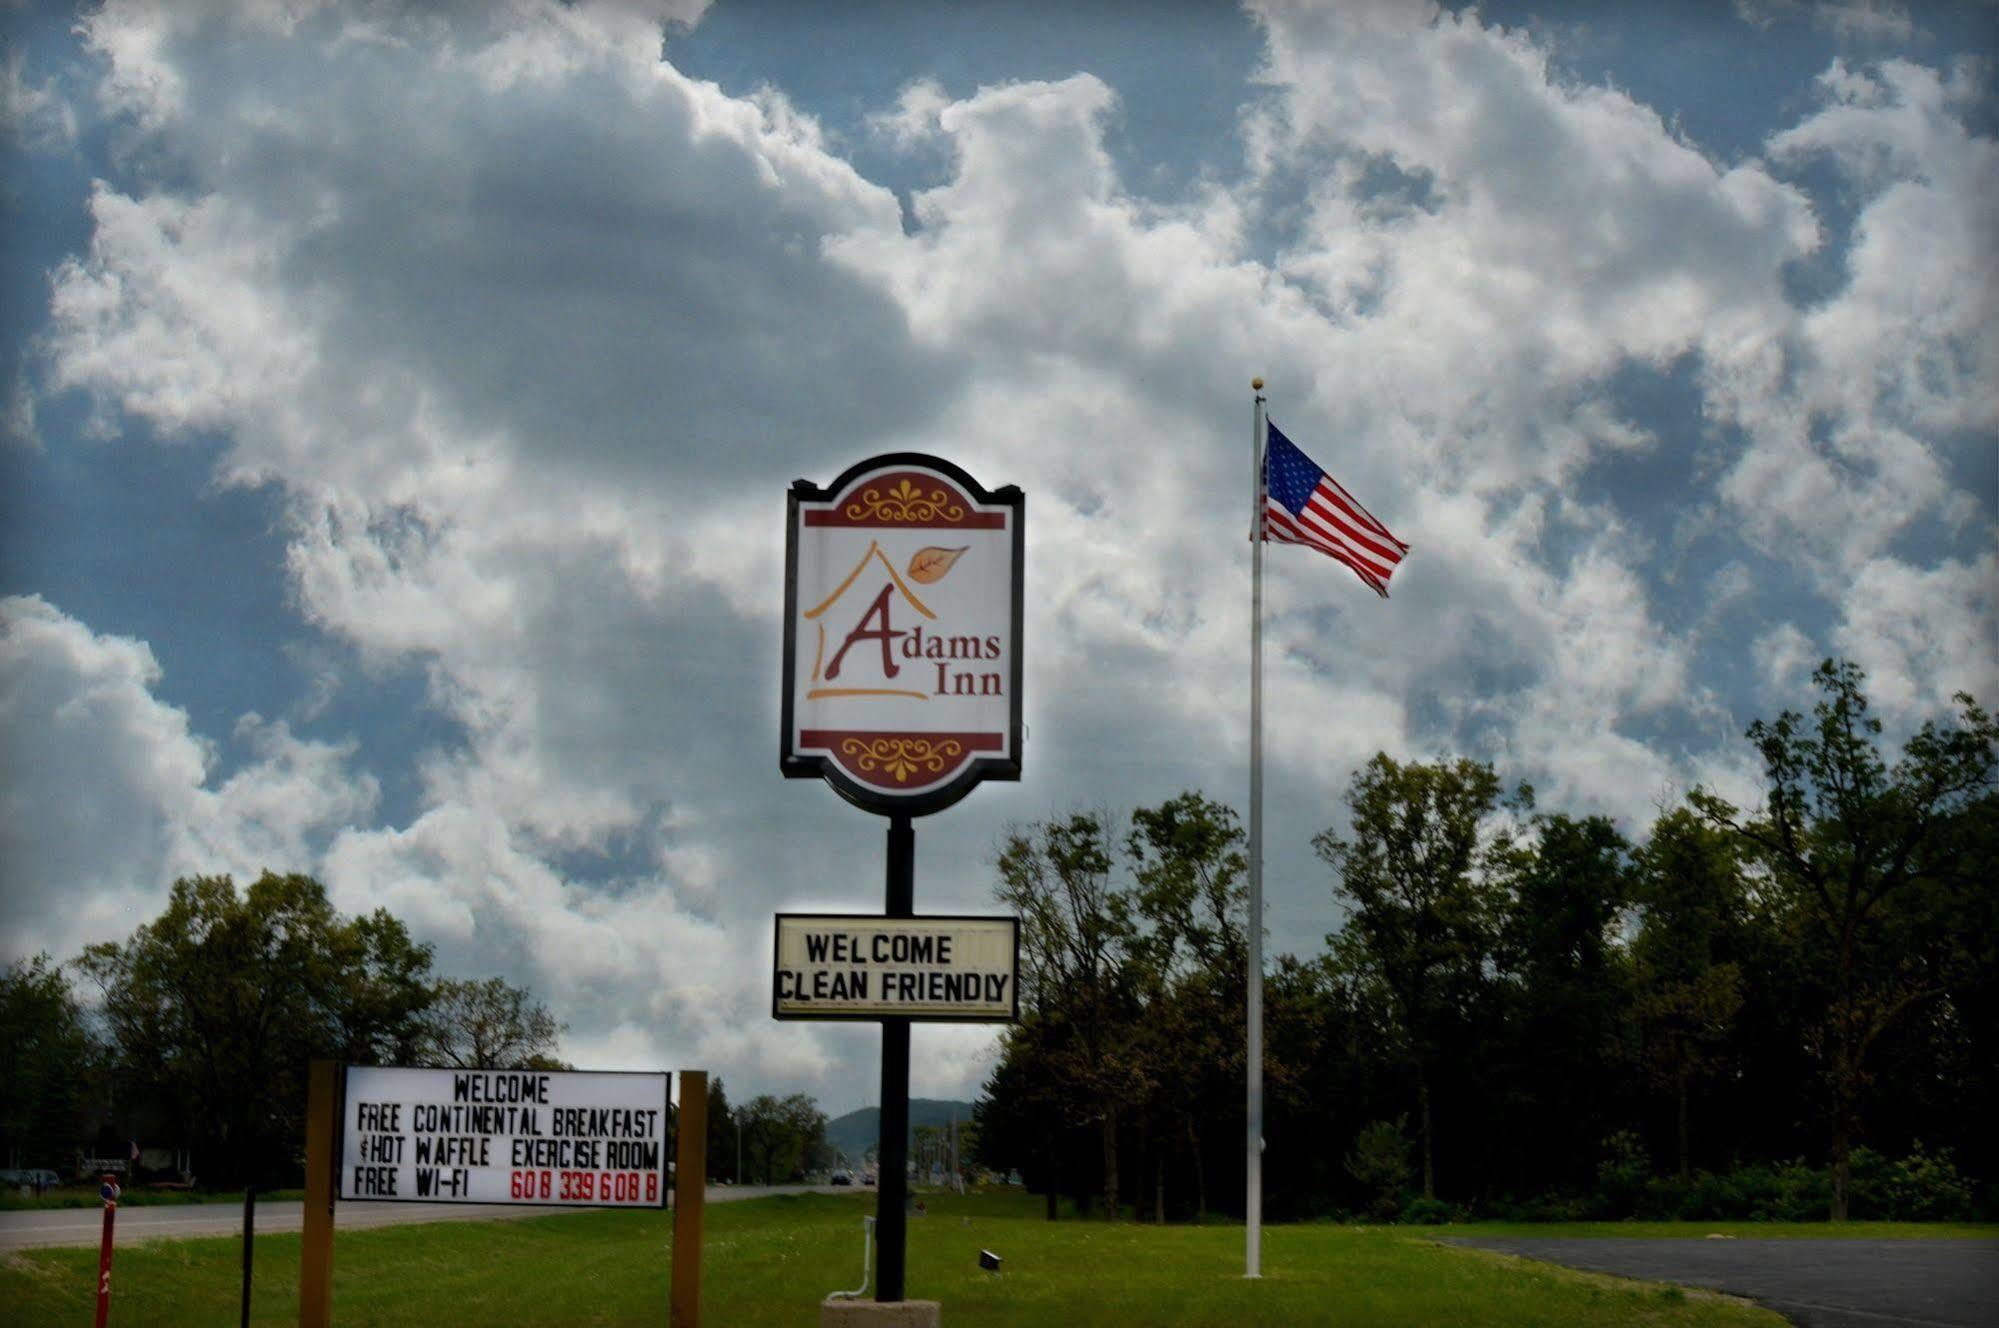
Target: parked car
x,y
842,1178
30,1180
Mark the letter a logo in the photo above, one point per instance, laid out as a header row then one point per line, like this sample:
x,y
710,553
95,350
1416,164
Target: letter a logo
x,y
885,634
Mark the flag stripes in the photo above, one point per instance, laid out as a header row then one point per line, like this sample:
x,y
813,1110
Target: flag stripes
x,y
1304,505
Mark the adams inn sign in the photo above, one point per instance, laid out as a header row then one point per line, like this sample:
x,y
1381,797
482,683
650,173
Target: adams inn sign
x,y
902,608
902,634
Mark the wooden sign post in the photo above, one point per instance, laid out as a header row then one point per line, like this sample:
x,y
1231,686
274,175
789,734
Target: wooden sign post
x,y
315,1267
690,1172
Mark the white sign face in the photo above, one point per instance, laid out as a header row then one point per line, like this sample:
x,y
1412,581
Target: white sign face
x,y
842,966
504,1137
902,635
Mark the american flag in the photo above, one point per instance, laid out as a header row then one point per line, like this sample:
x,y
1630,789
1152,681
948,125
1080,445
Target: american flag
x,y
1304,505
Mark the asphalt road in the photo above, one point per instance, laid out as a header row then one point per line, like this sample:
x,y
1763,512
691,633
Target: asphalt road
x,y
85,1226
1817,1283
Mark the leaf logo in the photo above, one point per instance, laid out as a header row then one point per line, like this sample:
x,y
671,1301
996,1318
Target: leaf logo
x,y
929,565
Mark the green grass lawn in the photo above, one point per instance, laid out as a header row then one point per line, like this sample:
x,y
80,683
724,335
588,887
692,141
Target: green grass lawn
x,y
769,1261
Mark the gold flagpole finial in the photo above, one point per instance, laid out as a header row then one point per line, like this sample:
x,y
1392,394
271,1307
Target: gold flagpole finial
x,y
1256,384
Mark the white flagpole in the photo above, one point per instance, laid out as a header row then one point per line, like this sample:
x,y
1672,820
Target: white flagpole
x,y
1253,1201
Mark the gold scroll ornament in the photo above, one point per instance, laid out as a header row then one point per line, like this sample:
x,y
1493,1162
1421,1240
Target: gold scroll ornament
x,y
905,502
902,757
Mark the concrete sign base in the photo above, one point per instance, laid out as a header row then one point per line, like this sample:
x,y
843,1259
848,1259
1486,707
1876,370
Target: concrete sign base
x,y
879,1314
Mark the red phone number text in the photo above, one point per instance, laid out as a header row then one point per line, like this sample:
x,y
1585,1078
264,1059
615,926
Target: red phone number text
x,y
586,1186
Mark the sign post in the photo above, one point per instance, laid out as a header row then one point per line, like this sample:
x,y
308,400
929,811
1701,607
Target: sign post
x,y
108,1191
892,1179
902,668
689,1191
249,1247
315,1249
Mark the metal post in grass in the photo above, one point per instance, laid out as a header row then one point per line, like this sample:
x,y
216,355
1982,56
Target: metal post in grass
x,y
892,1184
249,1240
109,1191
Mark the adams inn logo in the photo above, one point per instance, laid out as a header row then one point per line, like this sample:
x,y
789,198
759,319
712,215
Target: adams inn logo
x,y
902,633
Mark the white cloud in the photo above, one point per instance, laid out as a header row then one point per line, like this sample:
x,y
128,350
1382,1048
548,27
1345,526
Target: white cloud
x,y
1924,634
1856,414
33,114
108,794
528,331
1542,234
1786,657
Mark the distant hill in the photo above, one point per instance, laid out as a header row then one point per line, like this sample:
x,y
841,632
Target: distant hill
x,y
856,1132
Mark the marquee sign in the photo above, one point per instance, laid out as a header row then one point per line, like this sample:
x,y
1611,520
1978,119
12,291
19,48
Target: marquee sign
x,y
902,626
504,1137
848,966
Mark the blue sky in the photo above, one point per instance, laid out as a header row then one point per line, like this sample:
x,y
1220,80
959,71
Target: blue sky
x,y
400,400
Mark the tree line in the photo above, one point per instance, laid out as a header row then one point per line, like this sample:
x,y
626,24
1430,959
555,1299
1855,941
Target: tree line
x,y
209,1015
1783,1011
768,1140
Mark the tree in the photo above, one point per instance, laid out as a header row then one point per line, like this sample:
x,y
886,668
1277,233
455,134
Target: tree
x,y
1190,959
783,1138
928,1149
1380,1163
1687,977
217,1006
1845,836
1076,991
1021,1115
1566,988
1418,874
49,1058
722,1135
489,1024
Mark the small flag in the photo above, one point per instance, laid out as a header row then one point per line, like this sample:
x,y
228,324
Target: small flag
x,y
1304,505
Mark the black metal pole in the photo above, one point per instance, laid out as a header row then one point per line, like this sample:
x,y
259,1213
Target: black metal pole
x,y
892,1185
249,1238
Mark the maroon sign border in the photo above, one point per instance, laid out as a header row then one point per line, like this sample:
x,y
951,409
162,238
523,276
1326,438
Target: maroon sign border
x,y
880,798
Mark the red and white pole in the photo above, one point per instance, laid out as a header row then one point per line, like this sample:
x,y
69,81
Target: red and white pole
x,y
109,1191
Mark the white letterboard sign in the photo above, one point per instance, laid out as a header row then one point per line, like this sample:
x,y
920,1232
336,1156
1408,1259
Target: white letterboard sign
x,y
865,966
504,1137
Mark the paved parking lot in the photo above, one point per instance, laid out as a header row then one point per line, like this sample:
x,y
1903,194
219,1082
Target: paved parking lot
x,y
1818,1283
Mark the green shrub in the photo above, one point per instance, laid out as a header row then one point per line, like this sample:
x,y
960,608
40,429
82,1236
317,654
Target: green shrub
x,y
1922,1187
1800,1192
1719,1195
1554,1206
1381,1161
1925,1187
1666,1199
1622,1175
1420,1212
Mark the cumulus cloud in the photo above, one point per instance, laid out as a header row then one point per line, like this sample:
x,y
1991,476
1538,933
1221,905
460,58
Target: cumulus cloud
x,y
33,114
109,794
528,330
